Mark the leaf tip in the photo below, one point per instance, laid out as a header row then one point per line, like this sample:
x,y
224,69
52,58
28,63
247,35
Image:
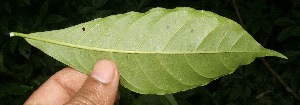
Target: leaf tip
x,y
11,34
280,55
277,54
283,56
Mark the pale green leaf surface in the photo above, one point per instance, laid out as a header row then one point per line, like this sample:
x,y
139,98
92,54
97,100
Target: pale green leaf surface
x,y
158,52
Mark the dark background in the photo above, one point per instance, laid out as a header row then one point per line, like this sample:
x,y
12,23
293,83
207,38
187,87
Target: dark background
x,y
273,23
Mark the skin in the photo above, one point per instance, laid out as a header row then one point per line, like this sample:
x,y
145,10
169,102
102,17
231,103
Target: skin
x,y
68,86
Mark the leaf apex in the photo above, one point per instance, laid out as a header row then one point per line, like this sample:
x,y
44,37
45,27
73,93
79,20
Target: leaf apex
x,y
275,53
11,34
283,56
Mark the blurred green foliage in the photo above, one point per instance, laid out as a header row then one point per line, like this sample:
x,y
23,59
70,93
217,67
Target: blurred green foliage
x,y
273,23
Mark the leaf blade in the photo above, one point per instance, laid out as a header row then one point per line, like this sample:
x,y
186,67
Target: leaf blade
x,y
161,51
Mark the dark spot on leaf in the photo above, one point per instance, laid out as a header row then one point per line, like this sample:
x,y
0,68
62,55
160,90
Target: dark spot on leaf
x,y
192,30
167,27
83,29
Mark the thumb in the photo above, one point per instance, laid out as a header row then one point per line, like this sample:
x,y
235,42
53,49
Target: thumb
x,y
101,87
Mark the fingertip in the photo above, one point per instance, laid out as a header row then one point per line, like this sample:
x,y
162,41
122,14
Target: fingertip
x,y
101,86
104,71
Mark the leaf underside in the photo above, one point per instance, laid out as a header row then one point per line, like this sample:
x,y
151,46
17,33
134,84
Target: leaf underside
x,y
161,51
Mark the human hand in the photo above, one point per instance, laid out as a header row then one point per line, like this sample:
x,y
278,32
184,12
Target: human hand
x,y
69,86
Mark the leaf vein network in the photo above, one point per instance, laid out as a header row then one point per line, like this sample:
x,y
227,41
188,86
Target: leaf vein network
x,y
142,69
121,37
151,29
190,18
160,63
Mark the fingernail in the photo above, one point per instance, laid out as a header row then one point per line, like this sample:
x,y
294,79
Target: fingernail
x,y
104,71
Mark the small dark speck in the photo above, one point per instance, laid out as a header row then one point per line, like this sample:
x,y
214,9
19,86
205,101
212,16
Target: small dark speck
x,y
167,26
83,29
192,30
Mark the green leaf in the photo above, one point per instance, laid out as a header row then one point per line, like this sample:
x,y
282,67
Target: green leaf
x,y
161,51
27,2
54,19
168,99
284,21
296,31
143,3
285,33
24,49
13,89
99,3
